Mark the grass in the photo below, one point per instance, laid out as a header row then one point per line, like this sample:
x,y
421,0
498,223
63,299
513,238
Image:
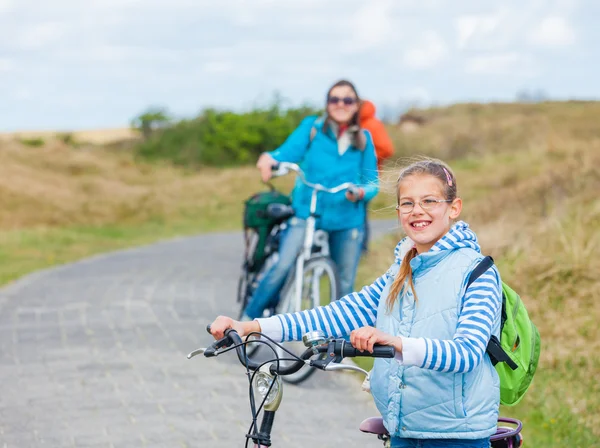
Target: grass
x,y
527,173
60,204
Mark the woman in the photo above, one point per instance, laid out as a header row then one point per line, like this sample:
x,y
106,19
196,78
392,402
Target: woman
x,y
331,150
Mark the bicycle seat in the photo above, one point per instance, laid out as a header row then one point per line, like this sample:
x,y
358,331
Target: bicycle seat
x,y
373,425
280,212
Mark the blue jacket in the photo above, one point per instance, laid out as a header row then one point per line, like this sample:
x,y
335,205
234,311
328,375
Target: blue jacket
x,y
322,164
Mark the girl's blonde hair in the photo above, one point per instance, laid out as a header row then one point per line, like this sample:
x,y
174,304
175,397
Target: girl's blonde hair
x,y
444,174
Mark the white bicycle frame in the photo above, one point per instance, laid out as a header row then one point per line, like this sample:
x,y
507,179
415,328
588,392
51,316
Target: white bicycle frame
x,y
310,232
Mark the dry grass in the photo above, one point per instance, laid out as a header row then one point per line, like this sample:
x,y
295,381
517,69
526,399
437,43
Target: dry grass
x,y
92,136
56,186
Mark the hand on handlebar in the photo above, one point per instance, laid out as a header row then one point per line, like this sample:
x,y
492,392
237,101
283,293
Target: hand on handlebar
x,y
222,323
355,194
265,164
366,337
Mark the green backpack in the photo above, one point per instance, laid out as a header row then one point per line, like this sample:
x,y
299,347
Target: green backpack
x,y
257,219
516,355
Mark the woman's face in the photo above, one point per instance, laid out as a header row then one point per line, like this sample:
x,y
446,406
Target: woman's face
x,y
342,104
426,227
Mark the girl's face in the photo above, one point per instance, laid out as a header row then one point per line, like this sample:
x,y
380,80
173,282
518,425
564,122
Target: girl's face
x,y
425,226
342,104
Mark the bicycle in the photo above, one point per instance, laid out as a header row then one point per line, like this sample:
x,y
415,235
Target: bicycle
x,y
314,278
266,379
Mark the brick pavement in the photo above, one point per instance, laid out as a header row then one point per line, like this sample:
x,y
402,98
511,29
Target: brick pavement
x,y
92,354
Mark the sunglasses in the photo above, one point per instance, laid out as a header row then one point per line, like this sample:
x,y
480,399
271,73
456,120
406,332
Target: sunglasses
x,y
348,100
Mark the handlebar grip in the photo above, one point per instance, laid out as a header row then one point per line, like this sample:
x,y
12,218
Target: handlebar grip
x,y
379,351
226,341
354,190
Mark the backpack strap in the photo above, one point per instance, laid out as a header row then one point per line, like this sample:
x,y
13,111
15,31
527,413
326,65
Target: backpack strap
x,y
493,349
481,267
361,140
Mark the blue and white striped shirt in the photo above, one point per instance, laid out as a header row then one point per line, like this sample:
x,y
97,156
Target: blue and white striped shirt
x,y
481,303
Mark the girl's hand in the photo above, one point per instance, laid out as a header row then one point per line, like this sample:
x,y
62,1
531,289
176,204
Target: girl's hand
x,y
265,166
366,337
222,323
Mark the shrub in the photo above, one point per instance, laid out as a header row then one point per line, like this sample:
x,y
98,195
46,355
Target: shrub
x,y
33,142
221,138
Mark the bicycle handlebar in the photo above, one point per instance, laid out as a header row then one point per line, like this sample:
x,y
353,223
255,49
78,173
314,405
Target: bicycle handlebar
x,y
336,349
282,168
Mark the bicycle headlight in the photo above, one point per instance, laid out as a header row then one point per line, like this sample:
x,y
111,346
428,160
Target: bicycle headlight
x,y
262,383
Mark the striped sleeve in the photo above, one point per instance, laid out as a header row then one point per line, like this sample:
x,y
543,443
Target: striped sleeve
x,y
338,319
481,309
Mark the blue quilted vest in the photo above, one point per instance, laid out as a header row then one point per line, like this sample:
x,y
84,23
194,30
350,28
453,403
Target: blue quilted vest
x,y
421,403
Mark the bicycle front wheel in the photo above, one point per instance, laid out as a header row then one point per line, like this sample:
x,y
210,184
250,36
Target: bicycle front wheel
x,y
320,286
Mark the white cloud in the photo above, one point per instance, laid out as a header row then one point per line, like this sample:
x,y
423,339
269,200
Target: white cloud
x,y
428,53
553,32
371,26
503,27
6,65
41,35
5,5
22,94
218,67
501,64
474,27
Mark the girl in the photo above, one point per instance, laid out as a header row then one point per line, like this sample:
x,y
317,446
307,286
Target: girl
x,y
331,150
441,389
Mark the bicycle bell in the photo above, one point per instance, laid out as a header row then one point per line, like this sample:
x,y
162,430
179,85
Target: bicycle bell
x,y
314,338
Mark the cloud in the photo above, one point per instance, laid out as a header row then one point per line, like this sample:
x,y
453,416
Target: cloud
x,y
111,57
22,94
40,35
474,27
501,64
6,65
428,53
5,5
505,26
371,25
218,67
553,32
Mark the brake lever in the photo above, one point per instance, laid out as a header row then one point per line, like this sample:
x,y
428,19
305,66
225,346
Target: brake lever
x,y
329,359
212,350
196,352
336,366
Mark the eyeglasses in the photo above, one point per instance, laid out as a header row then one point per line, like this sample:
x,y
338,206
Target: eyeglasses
x,y
348,100
425,204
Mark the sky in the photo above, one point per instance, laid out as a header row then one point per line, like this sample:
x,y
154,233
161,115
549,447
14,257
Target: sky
x,y
85,64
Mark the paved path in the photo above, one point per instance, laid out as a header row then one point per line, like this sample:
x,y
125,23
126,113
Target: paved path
x,y
92,354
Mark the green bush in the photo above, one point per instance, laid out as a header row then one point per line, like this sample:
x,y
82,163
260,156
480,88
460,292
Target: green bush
x,y
221,138
33,142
